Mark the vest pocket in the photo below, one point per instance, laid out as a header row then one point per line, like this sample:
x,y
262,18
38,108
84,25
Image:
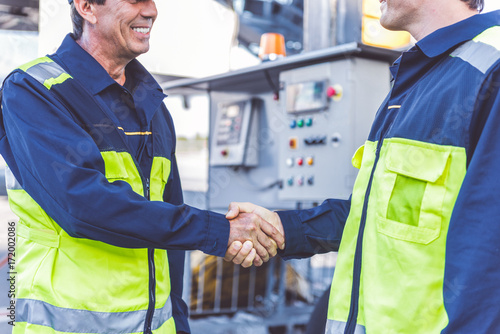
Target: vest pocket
x,y
160,172
115,166
412,191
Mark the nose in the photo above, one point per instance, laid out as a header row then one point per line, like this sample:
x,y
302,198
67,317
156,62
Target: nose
x,y
149,9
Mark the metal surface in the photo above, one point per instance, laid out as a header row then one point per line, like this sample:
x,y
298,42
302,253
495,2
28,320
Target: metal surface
x,y
318,166
20,3
257,184
319,24
234,139
265,77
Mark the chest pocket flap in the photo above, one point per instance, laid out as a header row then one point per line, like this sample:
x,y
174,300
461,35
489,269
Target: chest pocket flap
x,y
114,165
426,164
412,190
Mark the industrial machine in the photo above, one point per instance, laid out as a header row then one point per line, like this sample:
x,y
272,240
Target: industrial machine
x,y
282,135
329,108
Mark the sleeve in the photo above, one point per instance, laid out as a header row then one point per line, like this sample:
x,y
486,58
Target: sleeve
x,y
314,231
59,165
472,270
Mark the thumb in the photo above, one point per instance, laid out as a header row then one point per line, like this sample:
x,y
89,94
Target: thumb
x,y
233,211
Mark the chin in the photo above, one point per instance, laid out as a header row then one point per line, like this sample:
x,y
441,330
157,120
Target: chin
x,y
139,51
390,25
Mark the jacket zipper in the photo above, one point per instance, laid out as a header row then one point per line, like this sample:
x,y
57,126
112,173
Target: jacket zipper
x,y
151,263
356,280
152,278
152,292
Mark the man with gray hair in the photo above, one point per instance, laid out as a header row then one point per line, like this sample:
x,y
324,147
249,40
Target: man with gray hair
x,y
92,174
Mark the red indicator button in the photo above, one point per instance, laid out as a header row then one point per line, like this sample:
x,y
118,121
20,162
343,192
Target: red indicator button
x,y
300,161
331,92
224,153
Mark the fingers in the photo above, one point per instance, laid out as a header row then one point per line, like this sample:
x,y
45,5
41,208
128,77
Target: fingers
x,y
243,253
251,227
261,251
236,207
257,261
273,233
268,244
232,211
232,251
247,262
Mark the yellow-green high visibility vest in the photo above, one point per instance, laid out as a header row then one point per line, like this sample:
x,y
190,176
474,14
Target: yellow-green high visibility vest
x,y
75,285
390,272
421,181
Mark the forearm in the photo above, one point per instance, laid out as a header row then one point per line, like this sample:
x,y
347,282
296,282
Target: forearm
x,y
314,231
58,164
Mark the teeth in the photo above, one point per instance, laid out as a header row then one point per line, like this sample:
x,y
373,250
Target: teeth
x,y
142,30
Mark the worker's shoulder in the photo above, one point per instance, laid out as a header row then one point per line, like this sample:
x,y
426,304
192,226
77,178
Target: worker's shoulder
x,y
483,51
46,71
32,82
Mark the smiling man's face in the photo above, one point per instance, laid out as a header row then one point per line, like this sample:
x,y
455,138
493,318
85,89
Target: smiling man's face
x,y
125,26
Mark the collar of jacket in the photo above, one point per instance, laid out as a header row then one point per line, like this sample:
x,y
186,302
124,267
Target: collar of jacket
x,y
444,39
93,75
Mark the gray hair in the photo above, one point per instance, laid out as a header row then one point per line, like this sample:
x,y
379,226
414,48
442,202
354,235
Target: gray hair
x,y
77,19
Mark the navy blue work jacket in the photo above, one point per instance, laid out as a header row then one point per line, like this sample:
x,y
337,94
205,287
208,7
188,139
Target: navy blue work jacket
x,y
472,274
38,132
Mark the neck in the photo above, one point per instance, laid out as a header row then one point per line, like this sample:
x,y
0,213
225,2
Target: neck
x,y
115,66
440,15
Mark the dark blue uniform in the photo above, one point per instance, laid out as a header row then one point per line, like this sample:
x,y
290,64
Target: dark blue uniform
x,y
445,92
42,144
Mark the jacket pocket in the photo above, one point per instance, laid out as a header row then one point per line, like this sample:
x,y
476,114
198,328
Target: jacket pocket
x,y
115,166
412,190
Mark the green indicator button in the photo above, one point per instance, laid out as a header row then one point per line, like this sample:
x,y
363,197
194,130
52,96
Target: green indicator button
x,y
300,123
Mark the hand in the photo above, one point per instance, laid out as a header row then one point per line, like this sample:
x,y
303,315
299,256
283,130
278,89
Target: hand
x,y
235,208
263,237
243,253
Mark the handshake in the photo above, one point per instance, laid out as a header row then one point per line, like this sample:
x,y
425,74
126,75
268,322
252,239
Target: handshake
x,y
254,236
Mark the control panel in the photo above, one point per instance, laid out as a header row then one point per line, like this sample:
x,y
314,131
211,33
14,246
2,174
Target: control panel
x,y
234,136
329,109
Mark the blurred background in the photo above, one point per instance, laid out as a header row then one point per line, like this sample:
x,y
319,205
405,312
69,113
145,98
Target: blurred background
x,y
270,99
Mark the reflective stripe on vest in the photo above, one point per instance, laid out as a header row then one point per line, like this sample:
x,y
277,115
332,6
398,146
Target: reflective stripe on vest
x,y
77,285
68,320
413,192
338,327
46,71
483,51
10,180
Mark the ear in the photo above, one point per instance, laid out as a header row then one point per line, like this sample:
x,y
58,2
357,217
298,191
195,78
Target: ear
x,y
86,10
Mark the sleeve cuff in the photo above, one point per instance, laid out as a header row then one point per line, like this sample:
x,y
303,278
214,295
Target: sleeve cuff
x,y
217,234
293,233
181,323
